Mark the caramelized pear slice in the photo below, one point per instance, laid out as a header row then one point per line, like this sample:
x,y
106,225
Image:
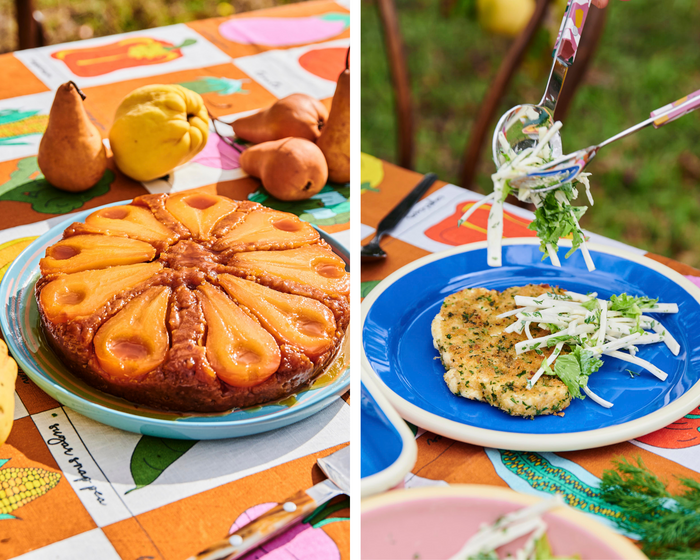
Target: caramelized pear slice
x,y
135,340
312,265
260,231
198,211
82,293
303,322
240,351
85,252
133,221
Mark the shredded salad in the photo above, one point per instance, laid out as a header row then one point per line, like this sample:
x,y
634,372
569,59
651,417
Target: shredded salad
x,y
555,217
526,521
589,327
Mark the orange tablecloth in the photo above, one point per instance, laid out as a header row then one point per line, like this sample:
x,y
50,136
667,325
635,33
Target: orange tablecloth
x,y
143,497
671,452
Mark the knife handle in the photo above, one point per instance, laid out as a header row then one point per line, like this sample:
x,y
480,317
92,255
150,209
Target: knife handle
x,y
260,530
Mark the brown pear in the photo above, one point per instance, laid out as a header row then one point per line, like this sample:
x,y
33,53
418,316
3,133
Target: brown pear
x,y
290,169
297,115
335,137
71,154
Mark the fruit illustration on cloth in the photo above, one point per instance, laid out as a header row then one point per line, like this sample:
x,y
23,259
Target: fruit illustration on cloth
x,y
21,485
71,154
8,374
683,433
325,63
284,32
297,115
156,128
127,53
290,169
505,17
335,136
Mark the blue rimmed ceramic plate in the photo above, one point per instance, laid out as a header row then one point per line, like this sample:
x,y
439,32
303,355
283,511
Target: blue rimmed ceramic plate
x,y
399,354
388,446
19,319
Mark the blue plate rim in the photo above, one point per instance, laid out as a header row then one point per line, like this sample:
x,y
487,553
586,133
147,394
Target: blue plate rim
x,y
8,288
527,441
394,473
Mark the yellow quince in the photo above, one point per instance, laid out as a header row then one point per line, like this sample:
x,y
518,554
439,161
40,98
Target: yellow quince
x,y
505,17
156,128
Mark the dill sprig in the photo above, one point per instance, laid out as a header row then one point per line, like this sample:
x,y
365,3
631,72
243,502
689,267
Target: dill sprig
x,y
668,525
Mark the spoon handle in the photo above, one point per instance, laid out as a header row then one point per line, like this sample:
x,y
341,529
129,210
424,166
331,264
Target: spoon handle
x,y
676,109
392,219
571,29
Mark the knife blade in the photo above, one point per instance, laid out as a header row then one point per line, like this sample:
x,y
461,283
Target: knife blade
x,y
335,466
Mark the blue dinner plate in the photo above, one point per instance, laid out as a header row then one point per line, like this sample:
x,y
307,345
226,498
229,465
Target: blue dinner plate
x,y
19,320
388,446
398,348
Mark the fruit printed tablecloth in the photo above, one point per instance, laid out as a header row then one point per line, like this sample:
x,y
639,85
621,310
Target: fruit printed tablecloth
x,y
671,453
71,487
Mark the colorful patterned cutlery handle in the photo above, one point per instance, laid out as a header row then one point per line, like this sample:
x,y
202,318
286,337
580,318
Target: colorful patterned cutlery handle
x,y
676,109
571,30
262,529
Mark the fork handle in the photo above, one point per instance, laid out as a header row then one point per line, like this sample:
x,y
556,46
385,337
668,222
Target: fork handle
x,y
676,109
571,29
392,219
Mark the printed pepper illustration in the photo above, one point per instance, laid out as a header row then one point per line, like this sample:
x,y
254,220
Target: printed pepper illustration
x,y
683,433
127,53
447,231
21,485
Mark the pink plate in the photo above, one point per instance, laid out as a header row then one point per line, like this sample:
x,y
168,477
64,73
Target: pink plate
x,y
434,523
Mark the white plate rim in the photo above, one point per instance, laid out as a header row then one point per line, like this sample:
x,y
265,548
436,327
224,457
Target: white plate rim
x,y
570,441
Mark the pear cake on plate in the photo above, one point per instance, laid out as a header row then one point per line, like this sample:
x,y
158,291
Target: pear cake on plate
x,y
193,302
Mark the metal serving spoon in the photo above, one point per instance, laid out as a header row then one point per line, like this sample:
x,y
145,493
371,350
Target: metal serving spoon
x,y
521,123
566,168
372,251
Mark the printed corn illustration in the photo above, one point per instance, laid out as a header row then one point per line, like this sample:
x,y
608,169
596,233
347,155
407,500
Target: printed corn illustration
x,y
15,124
21,485
127,53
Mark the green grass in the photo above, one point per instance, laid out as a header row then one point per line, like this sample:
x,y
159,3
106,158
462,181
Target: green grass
x,y
646,187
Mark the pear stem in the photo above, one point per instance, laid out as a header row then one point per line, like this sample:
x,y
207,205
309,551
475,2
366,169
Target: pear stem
x,y
226,139
347,60
80,92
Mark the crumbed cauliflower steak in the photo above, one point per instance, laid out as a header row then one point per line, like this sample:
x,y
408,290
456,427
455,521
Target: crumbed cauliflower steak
x,y
480,358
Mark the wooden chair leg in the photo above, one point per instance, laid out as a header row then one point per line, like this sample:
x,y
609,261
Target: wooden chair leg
x,y
26,24
400,81
483,127
595,24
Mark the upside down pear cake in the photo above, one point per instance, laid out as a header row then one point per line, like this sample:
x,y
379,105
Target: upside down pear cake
x,y
194,302
480,359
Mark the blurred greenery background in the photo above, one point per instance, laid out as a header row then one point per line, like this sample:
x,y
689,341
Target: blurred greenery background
x,y
646,187
71,20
